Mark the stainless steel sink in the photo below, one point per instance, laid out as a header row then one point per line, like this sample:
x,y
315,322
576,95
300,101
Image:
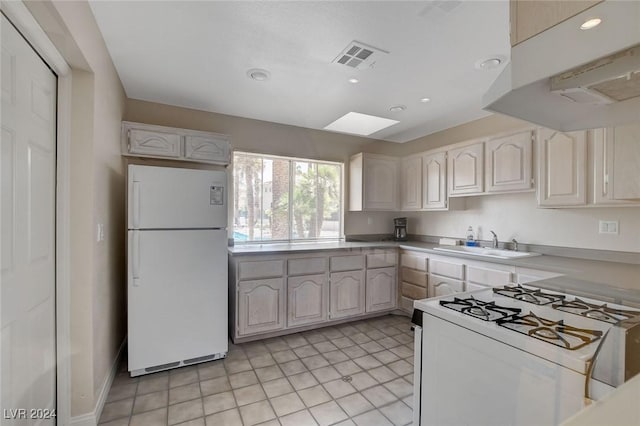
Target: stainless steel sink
x,y
487,252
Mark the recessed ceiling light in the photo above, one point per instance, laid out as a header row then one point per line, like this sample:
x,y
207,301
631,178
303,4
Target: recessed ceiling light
x,y
258,74
397,108
353,80
425,100
591,23
490,64
360,124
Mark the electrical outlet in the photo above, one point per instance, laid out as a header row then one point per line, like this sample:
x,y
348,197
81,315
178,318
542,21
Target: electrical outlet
x,y
369,220
608,227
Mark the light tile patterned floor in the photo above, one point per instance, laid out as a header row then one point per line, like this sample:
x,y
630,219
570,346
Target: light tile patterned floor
x,y
294,380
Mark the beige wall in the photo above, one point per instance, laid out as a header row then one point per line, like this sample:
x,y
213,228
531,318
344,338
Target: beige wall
x,y
98,311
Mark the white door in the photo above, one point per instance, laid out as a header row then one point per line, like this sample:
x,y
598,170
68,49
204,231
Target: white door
x,y
169,198
466,170
509,163
28,227
178,294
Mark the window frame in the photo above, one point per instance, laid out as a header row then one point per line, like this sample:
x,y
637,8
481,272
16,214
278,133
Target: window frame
x,y
291,223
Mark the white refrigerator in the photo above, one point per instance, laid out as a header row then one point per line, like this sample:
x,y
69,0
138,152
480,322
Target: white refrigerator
x,y
177,267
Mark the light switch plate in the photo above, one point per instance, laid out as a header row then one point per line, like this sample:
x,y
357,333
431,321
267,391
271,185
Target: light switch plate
x,y
608,227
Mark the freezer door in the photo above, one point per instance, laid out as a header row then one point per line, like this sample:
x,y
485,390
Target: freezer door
x,y
177,296
172,198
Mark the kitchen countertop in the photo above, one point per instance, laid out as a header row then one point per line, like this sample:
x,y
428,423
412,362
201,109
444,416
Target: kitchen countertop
x,y
586,274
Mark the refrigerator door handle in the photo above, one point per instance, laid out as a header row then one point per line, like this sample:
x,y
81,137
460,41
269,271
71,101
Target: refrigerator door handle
x,y
135,263
136,204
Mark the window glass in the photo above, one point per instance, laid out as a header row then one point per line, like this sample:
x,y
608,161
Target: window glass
x,y
281,199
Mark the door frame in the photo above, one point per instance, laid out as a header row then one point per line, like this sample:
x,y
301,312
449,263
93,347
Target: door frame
x,y
27,25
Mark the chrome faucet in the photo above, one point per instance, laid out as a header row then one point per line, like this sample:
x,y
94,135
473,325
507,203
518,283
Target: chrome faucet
x,y
495,240
515,244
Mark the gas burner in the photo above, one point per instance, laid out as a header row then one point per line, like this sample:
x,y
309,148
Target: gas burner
x,y
535,296
554,332
486,311
598,312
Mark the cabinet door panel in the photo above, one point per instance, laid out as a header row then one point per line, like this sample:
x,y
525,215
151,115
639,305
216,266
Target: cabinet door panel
x,y
381,289
434,181
260,305
211,149
346,294
624,162
508,163
441,286
307,299
562,168
380,184
466,170
410,181
154,143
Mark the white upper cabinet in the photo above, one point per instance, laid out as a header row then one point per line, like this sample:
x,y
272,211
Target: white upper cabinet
x,y
562,168
411,183
434,181
623,162
154,143
146,140
373,182
509,163
208,148
466,170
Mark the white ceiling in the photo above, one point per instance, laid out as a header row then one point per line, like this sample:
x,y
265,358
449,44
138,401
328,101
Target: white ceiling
x,y
197,54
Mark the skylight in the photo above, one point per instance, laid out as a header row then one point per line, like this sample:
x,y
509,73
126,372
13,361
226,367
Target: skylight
x,y
360,124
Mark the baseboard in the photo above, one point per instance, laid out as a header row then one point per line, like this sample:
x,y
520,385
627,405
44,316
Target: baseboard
x,y
91,419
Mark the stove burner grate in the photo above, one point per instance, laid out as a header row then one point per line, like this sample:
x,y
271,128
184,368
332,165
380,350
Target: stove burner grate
x,y
486,311
554,332
598,312
535,296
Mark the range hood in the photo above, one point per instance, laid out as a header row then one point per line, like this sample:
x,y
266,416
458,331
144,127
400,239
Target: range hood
x,y
570,79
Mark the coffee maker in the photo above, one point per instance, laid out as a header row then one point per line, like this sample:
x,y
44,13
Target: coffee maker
x,y
400,231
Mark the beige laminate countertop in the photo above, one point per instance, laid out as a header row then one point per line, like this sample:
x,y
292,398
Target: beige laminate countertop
x,y
590,275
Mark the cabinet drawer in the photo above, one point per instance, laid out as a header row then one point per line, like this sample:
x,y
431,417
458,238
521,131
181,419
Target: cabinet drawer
x,y
347,263
413,292
414,262
446,269
381,259
313,265
260,269
489,277
414,277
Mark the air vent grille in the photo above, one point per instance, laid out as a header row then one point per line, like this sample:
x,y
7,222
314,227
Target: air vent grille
x,y
359,55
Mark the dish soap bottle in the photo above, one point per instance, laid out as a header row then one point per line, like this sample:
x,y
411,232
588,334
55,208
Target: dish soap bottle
x,y
471,239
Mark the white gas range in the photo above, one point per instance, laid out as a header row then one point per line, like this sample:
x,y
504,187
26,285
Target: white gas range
x,y
518,355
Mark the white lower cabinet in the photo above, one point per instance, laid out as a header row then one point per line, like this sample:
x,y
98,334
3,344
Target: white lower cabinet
x,y
347,294
381,289
442,286
260,305
307,298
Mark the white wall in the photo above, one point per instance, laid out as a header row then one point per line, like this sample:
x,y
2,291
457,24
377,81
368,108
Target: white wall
x,y
516,216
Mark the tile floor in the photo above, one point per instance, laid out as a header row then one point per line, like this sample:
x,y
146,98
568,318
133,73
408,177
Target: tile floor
x,y
357,373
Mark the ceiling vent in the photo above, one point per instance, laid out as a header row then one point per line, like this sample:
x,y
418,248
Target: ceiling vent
x,y
359,55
